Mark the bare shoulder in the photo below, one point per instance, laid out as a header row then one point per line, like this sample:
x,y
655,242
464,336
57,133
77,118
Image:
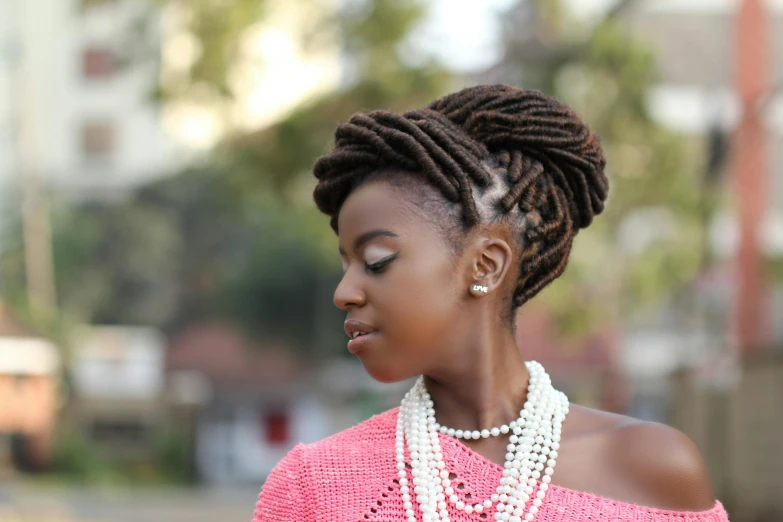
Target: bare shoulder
x,y
629,460
658,465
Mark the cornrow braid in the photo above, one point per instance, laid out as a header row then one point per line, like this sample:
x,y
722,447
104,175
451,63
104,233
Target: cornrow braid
x,y
549,161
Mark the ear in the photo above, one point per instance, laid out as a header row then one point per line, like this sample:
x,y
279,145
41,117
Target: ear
x,y
490,265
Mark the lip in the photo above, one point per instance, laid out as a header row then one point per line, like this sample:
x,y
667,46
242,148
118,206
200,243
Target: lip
x,y
355,345
358,344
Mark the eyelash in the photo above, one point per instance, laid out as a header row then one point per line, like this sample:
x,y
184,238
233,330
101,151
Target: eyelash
x,y
379,266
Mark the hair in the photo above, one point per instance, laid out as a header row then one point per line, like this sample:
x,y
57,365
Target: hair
x,y
547,163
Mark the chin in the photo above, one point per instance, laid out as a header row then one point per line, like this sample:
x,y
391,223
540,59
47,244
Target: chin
x,y
385,375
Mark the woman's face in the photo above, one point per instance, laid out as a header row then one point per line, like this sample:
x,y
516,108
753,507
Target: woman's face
x,y
401,281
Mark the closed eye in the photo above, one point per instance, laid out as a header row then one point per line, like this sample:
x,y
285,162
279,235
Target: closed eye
x,y
376,268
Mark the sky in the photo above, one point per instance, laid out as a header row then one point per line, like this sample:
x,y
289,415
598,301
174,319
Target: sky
x,y
464,33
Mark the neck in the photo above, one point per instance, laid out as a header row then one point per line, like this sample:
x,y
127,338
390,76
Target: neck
x,y
484,386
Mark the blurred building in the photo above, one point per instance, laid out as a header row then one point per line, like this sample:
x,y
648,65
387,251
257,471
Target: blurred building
x,y
118,386
247,405
696,52
722,398
76,84
29,382
680,361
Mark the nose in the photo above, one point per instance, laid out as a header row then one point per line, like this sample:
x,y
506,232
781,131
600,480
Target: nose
x,y
348,294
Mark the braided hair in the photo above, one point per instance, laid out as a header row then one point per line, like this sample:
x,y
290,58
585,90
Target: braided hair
x,y
548,163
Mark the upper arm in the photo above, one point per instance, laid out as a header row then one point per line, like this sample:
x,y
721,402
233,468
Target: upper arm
x,y
665,465
282,496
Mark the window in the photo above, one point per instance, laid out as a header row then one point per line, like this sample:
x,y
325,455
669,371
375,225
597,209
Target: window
x,y
97,140
98,63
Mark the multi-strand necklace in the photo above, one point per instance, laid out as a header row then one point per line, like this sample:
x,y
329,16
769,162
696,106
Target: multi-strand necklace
x,y
530,458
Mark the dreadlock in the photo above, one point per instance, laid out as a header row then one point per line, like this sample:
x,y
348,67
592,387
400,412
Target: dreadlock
x,y
550,164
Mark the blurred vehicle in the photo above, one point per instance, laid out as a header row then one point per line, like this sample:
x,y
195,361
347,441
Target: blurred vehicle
x,y
29,374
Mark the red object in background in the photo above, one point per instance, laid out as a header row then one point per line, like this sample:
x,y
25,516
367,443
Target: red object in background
x,y
749,174
276,427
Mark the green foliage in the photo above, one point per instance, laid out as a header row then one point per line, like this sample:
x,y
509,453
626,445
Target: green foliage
x,y
191,247
75,460
173,456
217,27
773,268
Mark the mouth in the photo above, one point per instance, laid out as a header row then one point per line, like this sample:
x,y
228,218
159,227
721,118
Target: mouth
x,y
359,333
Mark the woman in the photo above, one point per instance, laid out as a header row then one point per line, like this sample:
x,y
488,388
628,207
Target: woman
x,y
448,219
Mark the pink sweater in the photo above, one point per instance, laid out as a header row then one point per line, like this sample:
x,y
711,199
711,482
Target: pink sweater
x,y
351,476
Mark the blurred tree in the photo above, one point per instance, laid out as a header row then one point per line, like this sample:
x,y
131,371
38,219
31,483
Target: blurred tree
x,y
239,236
213,30
372,35
645,246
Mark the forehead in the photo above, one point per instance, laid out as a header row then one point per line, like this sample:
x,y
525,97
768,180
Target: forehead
x,y
373,205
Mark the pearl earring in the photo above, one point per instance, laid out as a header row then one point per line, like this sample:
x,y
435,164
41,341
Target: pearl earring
x,y
479,288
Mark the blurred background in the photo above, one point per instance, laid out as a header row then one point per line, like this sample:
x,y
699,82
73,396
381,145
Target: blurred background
x,y
167,331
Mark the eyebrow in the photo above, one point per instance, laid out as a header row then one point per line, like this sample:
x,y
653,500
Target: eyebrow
x,y
369,236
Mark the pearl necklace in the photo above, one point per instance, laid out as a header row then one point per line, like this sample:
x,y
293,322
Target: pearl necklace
x,y
532,450
476,434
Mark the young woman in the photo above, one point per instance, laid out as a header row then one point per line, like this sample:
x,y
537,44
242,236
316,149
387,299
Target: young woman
x,y
448,219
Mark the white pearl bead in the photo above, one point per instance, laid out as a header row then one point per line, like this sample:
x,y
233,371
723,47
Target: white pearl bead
x,y
537,434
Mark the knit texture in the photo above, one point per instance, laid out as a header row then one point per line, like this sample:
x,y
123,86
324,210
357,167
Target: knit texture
x,y
351,476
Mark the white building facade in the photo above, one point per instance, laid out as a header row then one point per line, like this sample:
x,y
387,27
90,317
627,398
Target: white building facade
x,y
76,84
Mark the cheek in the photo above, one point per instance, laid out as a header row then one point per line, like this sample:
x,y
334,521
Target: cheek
x,y
425,297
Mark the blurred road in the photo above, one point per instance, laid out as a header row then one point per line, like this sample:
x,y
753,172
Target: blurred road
x,y
20,503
